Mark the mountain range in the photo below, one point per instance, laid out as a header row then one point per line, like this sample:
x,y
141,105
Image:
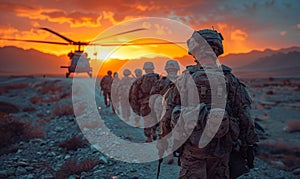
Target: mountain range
x,y
17,61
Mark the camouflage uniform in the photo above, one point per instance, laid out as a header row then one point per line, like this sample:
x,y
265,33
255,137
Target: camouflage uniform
x,y
159,91
212,161
123,94
105,85
115,93
138,73
139,100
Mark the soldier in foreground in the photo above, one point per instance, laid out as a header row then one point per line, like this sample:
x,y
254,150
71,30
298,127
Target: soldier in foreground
x,y
139,100
105,85
236,131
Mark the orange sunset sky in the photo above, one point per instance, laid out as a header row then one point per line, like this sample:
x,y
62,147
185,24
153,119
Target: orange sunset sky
x,y
245,25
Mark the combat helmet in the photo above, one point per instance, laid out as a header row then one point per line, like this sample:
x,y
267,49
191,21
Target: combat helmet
x,y
126,72
172,64
148,66
138,72
214,39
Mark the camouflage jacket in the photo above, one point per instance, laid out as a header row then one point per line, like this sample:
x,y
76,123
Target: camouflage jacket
x,y
139,93
106,83
161,86
237,106
124,87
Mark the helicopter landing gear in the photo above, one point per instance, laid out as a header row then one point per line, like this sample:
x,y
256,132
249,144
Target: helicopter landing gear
x,y
67,75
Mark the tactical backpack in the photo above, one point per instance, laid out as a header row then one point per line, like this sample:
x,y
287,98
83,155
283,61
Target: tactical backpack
x,y
228,131
139,93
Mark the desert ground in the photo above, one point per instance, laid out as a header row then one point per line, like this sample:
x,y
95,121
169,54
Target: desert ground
x,y
40,137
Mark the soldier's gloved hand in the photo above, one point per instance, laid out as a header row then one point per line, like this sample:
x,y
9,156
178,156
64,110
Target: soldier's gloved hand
x,y
162,145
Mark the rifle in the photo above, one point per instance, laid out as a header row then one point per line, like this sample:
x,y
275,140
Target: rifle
x,y
250,157
158,168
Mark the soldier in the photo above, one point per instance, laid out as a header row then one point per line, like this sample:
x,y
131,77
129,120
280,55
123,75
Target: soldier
x,y
105,85
115,93
159,90
236,130
124,88
138,73
139,100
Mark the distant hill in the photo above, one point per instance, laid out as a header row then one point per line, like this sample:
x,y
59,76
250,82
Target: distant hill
x,y
277,64
17,61
242,59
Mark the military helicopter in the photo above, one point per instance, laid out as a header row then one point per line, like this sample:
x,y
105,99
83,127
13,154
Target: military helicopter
x,y
84,66
74,57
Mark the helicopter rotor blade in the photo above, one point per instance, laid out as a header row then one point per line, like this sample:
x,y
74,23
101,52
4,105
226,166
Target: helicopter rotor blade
x,y
137,44
121,33
59,35
36,41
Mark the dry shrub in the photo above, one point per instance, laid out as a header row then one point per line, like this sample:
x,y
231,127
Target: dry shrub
x,y
47,119
279,151
34,129
270,92
15,86
29,109
5,89
293,126
51,99
36,99
48,87
13,130
75,167
7,107
40,114
63,110
65,95
73,143
280,148
291,162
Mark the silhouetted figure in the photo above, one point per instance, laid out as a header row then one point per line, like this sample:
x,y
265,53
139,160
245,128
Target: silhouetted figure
x,y
124,88
114,93
159,90
139,100
105,85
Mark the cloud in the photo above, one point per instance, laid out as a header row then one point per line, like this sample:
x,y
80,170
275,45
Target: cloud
x,y
257,20
283,33
238,35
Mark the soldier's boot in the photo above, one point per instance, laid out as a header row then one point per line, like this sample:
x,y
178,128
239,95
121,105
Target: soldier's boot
x,y
137,123
148,139
153,133
170,159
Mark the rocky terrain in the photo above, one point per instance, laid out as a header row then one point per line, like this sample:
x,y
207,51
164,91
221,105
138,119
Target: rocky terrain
x,y
40,137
